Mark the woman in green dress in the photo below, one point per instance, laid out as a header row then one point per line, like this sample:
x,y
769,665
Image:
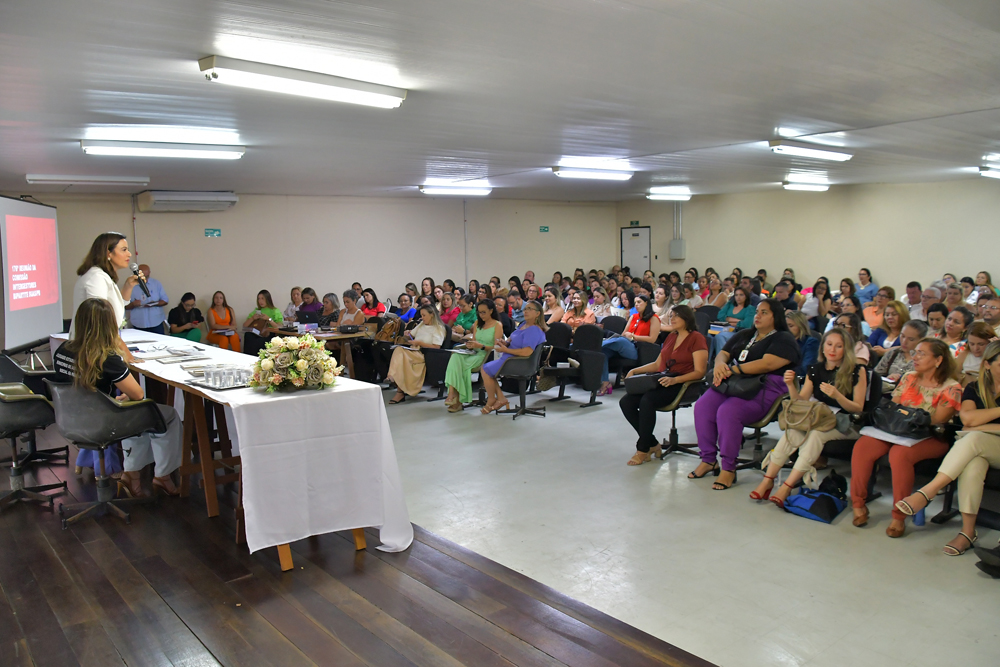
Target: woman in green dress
x,y
485,332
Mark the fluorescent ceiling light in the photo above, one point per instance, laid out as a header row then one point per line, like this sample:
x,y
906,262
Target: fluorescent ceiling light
x,y
247,74
458,183
174,134
992,157
668,197
806,187
790,132
603,163
51,179
455,191
815,178
785,147
162,149
599,174
989,172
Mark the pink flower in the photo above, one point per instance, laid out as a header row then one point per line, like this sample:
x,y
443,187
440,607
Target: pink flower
x,y
276,379
298,382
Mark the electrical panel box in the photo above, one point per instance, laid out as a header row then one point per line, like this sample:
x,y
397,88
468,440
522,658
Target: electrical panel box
x,y
677,249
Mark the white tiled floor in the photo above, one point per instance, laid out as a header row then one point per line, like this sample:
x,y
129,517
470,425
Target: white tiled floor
x,y
732,581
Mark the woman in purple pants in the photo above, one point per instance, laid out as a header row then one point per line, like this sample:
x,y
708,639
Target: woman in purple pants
x,y
765,349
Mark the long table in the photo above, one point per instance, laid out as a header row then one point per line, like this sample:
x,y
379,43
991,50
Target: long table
x,y
311,461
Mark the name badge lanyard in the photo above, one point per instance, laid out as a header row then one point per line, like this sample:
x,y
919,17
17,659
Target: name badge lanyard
x,y
746,350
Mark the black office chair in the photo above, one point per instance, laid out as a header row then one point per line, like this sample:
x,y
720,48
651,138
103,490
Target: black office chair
x,y
620,366
22,411
614,324
12,373
712,312
703,321
437,364
585,350
522,369
93,420
686,397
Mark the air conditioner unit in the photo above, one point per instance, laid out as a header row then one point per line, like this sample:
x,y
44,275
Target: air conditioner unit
x,y
162,201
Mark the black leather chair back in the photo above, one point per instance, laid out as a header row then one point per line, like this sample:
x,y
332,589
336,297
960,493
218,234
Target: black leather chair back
x,y
703,320
588,337
10,371
22,411
614,323
90,418
711,311
559,335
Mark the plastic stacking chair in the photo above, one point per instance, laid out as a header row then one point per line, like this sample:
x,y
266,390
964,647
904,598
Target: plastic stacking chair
x,y
93,420
523,369
12,373
21,412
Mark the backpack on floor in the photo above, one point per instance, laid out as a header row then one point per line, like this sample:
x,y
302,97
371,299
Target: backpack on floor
x,y
815,505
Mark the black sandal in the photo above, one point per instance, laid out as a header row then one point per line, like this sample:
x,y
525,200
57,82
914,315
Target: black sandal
x,y
714,470
908,510
719,486
955,551
394,401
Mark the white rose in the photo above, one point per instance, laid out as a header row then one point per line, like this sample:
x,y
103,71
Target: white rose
x,y
328,378
266,364
292,343
301,365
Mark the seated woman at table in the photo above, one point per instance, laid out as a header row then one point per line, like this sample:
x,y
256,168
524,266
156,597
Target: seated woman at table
x,y
222,324
972,455
371,307
929,387
486,331
449,310
898,361
406,367
264,319
330,315
684,356
310,302
578,313
91,361
643,327
554,310
351,314
293,305
836,380
185,319
523,342
404,309
886,335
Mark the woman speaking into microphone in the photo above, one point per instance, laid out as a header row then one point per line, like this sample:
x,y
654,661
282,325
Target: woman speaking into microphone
x,y
99,276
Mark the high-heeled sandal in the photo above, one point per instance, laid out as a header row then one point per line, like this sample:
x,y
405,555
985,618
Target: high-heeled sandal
x,y
639,458
131,486
955,551
907,509
487,409
719,486
714,470
166,485
778,501
501,406
656,451
767,494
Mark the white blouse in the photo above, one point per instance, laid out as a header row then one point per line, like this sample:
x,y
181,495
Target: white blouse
x,y
96,284
431,335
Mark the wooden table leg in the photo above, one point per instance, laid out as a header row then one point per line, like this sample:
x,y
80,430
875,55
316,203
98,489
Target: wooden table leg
x,y
187,447
359,539
205,454
285,557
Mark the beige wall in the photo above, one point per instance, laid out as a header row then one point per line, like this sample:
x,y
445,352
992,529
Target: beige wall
x,y
901,232
275,242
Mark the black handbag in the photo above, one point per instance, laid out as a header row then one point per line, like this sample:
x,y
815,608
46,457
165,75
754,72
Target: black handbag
x,y
900,420
742,386
640,384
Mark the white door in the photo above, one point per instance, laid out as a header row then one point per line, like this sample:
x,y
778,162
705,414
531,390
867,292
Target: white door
x,y
635,249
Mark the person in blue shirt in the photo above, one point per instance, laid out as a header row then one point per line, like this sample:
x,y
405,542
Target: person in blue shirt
x,y
405,310
146,312
798,326
865,289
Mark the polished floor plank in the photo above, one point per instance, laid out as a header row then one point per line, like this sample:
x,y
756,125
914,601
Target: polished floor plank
x,y
92,645
13,646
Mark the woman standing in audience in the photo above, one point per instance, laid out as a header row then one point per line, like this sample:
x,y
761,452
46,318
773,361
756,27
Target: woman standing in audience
x,y
554,310
836,380
578,312
523,341
293,305
936,313
185,320
449,311
684,357
873,314
970,358
601,307
330,315
930,387
407,367
766,350
817,305
955,327
486,331
222,324
643,327
898,361
808,345
371,307
894,317
971,457
310,302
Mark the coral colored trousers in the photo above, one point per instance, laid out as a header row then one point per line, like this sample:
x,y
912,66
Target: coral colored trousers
x,y
868,450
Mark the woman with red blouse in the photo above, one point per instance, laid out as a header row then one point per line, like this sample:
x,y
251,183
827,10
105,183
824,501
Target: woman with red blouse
x,y
684,357
643,327
371,306
449,311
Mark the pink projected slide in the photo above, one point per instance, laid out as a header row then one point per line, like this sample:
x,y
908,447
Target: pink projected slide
x,y
31,262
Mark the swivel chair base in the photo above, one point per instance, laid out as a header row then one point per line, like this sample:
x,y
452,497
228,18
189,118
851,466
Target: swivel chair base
x,y
106,503
18,491
36,456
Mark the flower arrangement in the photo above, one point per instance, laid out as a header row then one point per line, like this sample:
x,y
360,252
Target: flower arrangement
x,y
295,363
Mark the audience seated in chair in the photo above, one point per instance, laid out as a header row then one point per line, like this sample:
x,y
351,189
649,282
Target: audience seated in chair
x,y
970,359
371,307
643,327
185,320
330,315
485,332
294,304
222,324
407,367
817,305
956,327
873,314
898,361
887,335
852,305
578,313
310,302
523,341
798,326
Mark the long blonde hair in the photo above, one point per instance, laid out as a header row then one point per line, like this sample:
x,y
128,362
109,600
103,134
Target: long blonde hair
x,y
95,340
844,379
902,312
985,383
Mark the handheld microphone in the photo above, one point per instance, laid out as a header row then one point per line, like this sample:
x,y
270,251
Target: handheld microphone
x,y
142,281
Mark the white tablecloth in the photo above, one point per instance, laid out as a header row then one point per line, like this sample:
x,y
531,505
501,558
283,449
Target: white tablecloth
x,y
313,462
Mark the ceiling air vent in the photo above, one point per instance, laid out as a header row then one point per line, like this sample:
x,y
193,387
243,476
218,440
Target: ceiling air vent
x,y
163,201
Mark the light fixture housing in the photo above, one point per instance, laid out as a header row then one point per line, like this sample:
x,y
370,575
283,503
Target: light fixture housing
x,y
654,197
669,193
54,179
261,76
598,174
800,149
161,149
455,190
989,172
805,187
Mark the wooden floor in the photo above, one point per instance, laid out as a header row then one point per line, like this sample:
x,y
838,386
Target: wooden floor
x,y
173,588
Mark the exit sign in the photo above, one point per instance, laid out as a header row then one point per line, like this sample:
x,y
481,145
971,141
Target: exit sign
x,y
543,228
213,233
633,223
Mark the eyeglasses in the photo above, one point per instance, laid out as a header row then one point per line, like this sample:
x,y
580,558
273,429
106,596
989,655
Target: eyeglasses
x,y
993,308
918,354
